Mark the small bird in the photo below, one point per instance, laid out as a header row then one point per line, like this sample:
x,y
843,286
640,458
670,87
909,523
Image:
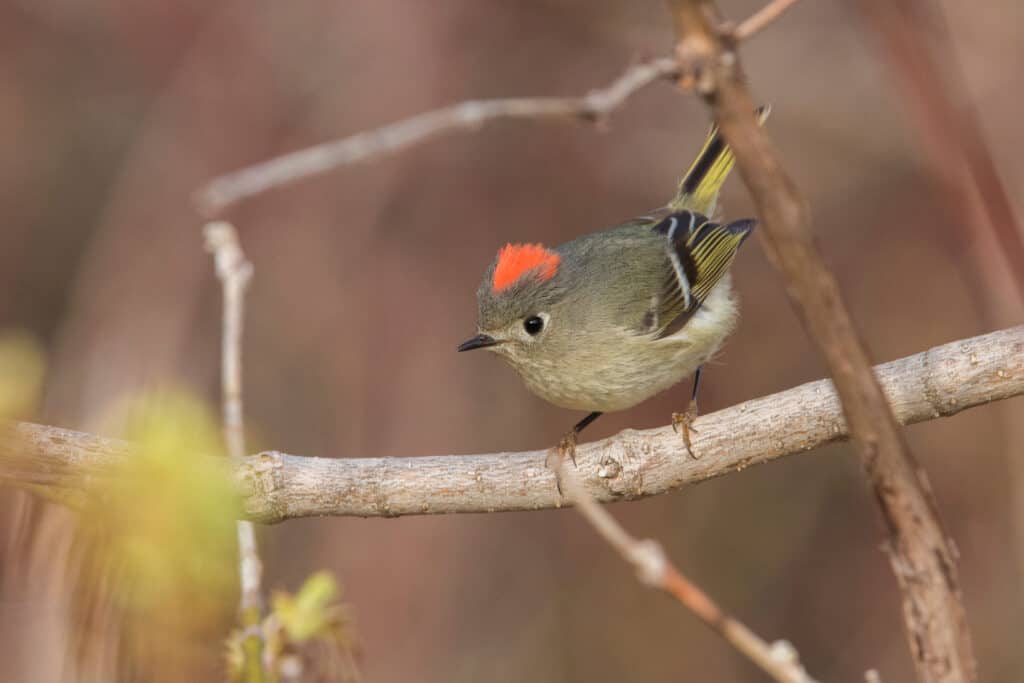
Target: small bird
x,y
614,317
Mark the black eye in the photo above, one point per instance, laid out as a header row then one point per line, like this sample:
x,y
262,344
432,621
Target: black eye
x,y
533,325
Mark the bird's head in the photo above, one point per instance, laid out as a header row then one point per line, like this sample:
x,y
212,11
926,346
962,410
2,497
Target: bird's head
x,y
518,301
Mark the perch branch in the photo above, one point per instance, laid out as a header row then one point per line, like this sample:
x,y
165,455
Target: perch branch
x,y
595,106
235,272
653,568
633,464
919,552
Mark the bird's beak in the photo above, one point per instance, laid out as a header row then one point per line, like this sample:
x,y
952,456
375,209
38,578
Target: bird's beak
x,y
480,341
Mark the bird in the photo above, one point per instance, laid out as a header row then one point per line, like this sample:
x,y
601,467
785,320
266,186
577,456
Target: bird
x,y
611,318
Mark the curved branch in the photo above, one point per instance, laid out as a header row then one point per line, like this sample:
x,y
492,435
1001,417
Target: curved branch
x,y
632,464
225,190
597,105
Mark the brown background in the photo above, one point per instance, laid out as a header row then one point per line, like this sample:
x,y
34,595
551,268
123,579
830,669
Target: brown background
x,y
111,114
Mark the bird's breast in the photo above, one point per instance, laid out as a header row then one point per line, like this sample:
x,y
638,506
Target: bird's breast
x,y
622,368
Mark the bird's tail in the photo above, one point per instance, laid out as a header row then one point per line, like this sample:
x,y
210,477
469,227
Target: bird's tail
x,y
698,190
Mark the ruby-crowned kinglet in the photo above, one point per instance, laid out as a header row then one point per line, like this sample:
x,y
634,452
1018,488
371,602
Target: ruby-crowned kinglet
x,y
609,319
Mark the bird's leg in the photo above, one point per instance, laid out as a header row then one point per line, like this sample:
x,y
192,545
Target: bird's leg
x,y
567,446
684,421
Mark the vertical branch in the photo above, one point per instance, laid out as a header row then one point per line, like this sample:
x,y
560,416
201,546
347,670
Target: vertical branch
x,y
653,568
235,272
921,557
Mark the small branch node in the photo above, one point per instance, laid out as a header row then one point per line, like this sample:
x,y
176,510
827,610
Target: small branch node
x,y
783,652
229,260
609,468
650,561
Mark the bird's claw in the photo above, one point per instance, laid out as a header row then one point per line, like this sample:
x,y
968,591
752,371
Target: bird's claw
x,y
566,448
683,423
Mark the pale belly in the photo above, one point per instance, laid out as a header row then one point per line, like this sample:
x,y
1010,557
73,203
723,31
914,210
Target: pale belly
x,y
631,368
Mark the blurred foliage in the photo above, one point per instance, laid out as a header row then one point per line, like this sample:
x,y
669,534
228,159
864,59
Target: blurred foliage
x,y
22,369
158,545
309,636
310,611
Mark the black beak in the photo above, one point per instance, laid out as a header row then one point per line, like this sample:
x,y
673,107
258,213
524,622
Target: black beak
x,y
478,342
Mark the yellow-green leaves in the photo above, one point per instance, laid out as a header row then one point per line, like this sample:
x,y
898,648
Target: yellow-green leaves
x,y
158,540
309,612
169,514
308,635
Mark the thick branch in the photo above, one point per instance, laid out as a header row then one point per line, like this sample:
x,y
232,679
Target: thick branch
x,y
632,464
921,557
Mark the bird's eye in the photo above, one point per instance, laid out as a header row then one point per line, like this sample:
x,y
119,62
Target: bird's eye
x,y
533,325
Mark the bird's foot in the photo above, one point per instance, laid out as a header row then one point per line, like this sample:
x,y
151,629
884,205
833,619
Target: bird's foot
x,y
683,422
566,448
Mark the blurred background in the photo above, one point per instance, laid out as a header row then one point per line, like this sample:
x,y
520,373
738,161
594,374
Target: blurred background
x,y
112,114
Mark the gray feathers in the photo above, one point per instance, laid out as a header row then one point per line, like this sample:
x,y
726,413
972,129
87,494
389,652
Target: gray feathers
x,y
609,319
649,275
612,310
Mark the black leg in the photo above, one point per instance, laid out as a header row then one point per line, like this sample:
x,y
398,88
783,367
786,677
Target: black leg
x,y
567,446
696,384
585,422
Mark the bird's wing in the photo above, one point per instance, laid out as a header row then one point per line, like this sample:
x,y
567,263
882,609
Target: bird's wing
x,y
698,252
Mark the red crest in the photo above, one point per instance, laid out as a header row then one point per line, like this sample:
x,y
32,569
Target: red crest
x,y
515,260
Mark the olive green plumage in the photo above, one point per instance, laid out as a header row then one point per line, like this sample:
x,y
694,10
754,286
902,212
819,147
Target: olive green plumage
x,y
628,311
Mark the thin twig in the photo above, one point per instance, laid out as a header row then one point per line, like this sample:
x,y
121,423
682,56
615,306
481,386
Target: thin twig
x,y
757,21
595,106
235,272
633,464
920,554
653,568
